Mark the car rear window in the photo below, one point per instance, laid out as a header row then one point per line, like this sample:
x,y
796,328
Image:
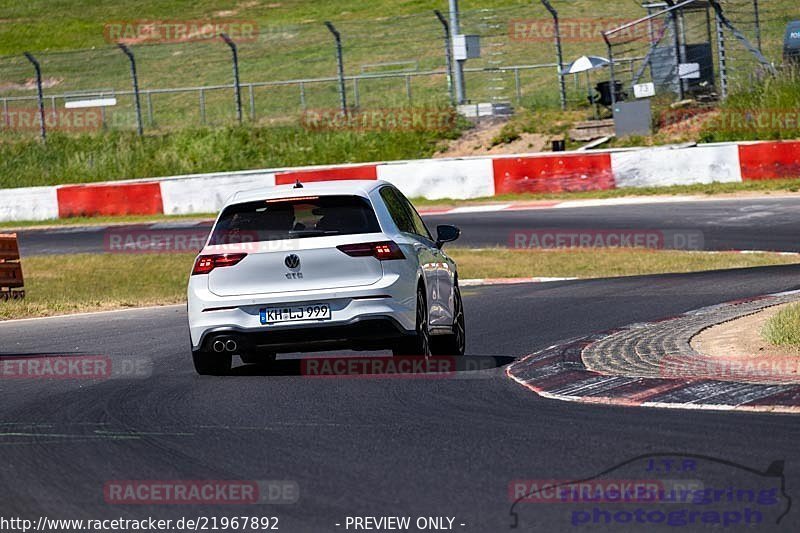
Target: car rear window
x,y
294,218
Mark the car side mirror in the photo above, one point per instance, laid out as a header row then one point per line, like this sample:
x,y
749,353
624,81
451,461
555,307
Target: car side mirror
x,y
446,233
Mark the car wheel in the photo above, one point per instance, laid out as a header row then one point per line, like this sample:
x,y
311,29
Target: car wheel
x,y
420,342
258,358
211,363
456,342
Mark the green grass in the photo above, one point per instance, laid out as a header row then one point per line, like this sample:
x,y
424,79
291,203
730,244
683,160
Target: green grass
x,y
119,155
599,262
783,329
77,283
773,99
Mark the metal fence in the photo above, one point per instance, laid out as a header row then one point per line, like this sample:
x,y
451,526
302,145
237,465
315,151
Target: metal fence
x,y
691,48
386,62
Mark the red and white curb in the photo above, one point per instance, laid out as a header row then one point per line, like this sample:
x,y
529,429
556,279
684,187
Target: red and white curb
x,y
558,373
434,179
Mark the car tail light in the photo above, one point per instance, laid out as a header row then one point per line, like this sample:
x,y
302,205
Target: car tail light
x,y
384,250
206,263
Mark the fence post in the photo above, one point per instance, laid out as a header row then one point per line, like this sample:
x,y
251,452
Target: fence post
x,y
302,96
741,37
202,106
458,71
448,54
677,43
38,68
127,52
562,87
237,88
252,103
757,13
723,64
340,65
611,72
150,120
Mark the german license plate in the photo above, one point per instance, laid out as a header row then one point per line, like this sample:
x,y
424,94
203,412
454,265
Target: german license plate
x,y
295,313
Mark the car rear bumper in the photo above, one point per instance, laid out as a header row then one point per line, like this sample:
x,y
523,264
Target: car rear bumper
x,y
360,334
360,316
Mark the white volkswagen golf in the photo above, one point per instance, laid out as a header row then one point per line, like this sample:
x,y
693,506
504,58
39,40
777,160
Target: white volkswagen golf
x,y
319,266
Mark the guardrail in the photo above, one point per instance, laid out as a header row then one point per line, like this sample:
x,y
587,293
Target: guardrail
x,y
11,281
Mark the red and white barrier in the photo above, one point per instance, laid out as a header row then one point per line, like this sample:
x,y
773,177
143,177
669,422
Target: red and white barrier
x,y
561,172
770,160
471,177
205,194
441,178
665,166
28,203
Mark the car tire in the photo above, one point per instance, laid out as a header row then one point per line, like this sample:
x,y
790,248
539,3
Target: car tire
x,y
420,342
211,363
258,358
453,343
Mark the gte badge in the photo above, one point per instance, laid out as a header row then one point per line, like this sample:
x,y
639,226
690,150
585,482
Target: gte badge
x,y
293,262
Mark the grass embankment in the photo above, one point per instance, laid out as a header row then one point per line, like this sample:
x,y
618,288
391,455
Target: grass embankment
x,y
767,110
66,284
118,155
784,328
76,283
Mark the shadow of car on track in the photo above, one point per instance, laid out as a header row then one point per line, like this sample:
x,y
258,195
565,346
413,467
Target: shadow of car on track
x,y
381,367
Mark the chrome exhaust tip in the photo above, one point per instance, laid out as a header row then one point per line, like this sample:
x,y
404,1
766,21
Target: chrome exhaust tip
x,y
230,345
218,346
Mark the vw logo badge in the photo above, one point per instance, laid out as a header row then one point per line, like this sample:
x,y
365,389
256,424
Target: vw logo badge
x,y
292,261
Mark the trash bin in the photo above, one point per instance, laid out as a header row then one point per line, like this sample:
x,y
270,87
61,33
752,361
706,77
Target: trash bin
x,y
604,90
